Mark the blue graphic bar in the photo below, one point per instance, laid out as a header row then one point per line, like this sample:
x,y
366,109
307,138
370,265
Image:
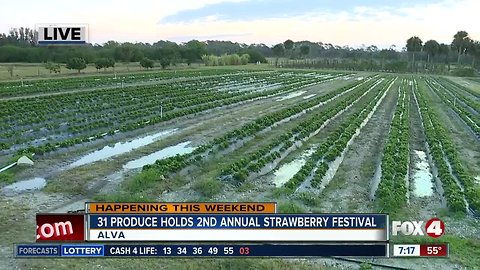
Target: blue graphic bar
x,y
54,42
190,250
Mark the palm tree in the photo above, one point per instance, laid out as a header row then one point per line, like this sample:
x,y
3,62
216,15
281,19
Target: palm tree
x,y
460,43
288,44
444,49
278,51
431,47
474,50
414,44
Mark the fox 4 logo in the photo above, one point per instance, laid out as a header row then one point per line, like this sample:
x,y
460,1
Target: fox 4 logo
x,y
433,228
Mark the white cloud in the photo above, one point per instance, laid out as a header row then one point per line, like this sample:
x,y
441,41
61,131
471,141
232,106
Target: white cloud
x,y
138,21
365,25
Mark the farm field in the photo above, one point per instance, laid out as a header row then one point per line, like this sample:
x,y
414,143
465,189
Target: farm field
x,y
312,140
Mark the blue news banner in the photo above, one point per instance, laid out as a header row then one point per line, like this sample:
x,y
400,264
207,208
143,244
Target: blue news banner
x,y
202,250
238,221
238,227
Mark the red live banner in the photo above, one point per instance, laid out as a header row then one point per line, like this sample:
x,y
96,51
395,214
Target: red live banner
x,y
60,227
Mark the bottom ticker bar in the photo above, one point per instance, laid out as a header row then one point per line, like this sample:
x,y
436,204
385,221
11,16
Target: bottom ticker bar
x,y
189,250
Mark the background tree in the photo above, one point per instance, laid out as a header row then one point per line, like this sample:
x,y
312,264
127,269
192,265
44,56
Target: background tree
x,y
188,55
100,63
128,53
431,47
52,67
444,50
193,51
460,43
288,44
414,44
166,56
278,51
76,63
304,50
19,36
147,63
255,55
104,63
17,46
474,51
173,50
10,70
244,59
110,63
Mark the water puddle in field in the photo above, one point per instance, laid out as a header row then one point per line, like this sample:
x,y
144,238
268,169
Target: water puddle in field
x,y
309,96
422,178
120,148
30,184
170,151
291,95
288,170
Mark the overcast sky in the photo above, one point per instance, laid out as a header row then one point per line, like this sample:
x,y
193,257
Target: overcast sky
x,y
339,22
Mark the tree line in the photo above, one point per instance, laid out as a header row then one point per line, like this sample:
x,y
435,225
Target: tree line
x,y
416,56
19,46
465,49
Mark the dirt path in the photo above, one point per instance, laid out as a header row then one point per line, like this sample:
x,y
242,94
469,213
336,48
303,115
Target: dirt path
x,y
427,206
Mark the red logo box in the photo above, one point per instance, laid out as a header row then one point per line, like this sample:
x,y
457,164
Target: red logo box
x,y
60,227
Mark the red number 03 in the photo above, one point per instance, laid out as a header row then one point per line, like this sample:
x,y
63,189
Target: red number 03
x,y
244,251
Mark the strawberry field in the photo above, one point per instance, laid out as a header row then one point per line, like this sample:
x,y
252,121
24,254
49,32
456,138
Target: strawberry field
x,y
246,126
314,141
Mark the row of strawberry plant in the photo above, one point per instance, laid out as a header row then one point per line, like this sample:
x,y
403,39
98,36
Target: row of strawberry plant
x,y
27,87
317,164
439,145
392,189
155,118
470,119
467,181
171,165
256,161
286,114
94,101
460,92
463,88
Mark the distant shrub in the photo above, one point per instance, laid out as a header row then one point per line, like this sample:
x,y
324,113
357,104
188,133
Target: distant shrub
x,y
143,180
7,177
365,266
226,60
464,72
309,198
208,188
147,63
290,207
